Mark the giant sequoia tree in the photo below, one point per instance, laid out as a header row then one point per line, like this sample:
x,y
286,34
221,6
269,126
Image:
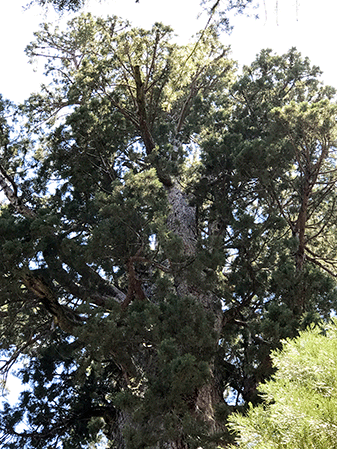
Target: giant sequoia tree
x,y
165,226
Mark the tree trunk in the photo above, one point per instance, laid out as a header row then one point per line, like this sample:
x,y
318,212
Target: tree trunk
x,y
182,220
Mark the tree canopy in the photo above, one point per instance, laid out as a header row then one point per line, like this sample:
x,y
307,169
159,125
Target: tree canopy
x,y
62,5
214,8
167,223
74,5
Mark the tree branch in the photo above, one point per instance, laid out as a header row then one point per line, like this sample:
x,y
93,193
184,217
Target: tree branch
x,y
135,290
8,186
319,264
65,317
141,104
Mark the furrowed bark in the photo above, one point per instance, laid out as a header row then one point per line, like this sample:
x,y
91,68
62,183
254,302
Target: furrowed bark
x,y
182,220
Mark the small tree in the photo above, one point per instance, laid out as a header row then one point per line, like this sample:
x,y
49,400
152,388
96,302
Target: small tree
x,y
300,408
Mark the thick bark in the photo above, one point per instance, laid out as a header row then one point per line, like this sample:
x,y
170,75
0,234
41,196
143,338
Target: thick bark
x,y
182,220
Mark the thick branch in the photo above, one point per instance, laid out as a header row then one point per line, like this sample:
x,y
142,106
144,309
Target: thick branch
x,y
65,317
92,281
135,290
141,104
62,277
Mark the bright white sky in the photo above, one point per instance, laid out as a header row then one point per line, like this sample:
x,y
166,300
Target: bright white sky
x,y
314,33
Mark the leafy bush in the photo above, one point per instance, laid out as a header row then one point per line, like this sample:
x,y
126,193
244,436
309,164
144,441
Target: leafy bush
x,y
300,408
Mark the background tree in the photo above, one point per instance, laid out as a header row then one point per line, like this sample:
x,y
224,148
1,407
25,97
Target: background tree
x,y
61,5
213,5
300,405
267,194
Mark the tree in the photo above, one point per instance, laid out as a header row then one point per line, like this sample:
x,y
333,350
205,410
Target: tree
x,y
61,5
300,405
269,201
216,9
129,96
75,5
147,270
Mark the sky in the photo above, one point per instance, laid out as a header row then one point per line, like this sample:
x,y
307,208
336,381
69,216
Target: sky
x,y
308,27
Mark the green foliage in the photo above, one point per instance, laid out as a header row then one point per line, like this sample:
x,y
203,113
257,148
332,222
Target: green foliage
x,y
72,383
300,408
180,344
54,402
262,163
212,6
62,5
166,226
